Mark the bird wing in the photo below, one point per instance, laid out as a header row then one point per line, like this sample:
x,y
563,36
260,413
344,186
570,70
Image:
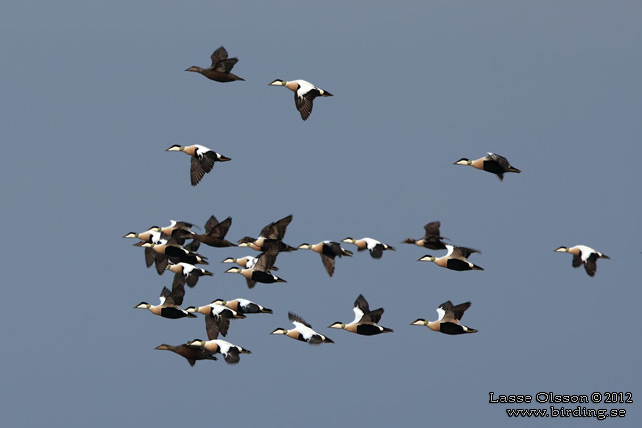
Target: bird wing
x,y
501,160
313,338
196,171
192,247
373,316
377,251
215,324
150,256
220,229
276,229
304,102
250,282
218,55
432,229
328,263
458,311
192,279
361,304
207,159
591,264
178,292
298,320
166,298
179,280
226,65
577,260
161,261
231,356
463,252
266,260
211,222
358,313
180,224
433,236
220,61
446,312
333,248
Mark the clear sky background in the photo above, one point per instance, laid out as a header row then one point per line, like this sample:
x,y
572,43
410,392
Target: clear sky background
x,y
92,94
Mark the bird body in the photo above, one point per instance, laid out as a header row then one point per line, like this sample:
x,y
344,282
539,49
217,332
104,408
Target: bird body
x,y
215,232
328,250
455,259
247,262
375,247
304,94
270,237
243,306
217,318
449,319
203,159
492,163
220,70
231,353
177,253
431,239
169,305
185,273
302,331
260,272
253,276
191,353
175,226
583,255
153,234
365,320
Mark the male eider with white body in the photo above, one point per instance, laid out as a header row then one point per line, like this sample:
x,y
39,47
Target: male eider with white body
x,y
302,331
185,273
261,270
375,247
455,259
243,306
203,160
583,255
304,94
217,318
492,163
449,317
231,353
365,320
169,305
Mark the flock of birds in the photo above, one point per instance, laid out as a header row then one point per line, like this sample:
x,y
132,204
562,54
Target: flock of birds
x,y
167,249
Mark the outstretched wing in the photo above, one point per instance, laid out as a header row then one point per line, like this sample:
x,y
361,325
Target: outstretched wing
x,y
304,103
297,319
197,171
215,324
211,222
463,252
218,55
220,229
328,263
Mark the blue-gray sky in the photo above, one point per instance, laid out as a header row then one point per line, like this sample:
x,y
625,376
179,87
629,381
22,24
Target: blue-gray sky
x,y
92,93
